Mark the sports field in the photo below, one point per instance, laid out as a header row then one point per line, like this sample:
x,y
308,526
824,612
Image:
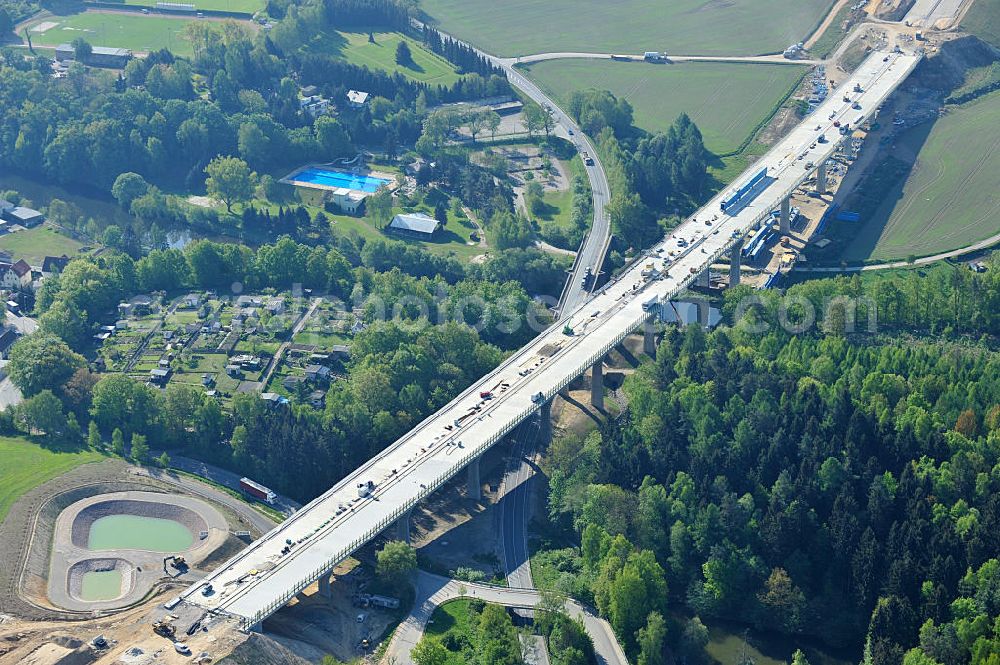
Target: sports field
x,y
246,6
949,199
681,27
25,465
354,47
137,32
35,244
726,101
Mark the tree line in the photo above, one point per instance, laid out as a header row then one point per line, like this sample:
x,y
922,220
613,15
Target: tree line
x,y
840,487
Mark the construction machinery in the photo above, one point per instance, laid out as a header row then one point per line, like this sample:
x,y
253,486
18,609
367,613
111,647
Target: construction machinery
x,y
164,629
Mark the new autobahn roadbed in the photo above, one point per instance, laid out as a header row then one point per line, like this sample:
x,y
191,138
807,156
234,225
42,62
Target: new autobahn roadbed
x,y
266,575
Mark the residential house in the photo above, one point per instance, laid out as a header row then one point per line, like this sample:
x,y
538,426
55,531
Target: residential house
x,y
317,373
160,376
8,336
357,99
136,306
317,399
275,305
273,398
14,276
315,106
53,264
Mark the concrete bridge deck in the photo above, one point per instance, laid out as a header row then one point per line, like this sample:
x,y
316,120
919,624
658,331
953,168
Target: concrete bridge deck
x,y
261,579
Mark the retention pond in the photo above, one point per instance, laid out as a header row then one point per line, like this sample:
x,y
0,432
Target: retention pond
x,y
134,532
101,585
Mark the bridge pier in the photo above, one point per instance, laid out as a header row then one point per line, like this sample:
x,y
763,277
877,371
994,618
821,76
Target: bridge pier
x,y
821,178
474,488
785,225
597,385
704,312
545,423
403,526
735,262
704,279
649,339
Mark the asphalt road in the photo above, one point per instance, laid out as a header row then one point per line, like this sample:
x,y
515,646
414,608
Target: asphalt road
x,y
226,479
515,507
595,245
433,590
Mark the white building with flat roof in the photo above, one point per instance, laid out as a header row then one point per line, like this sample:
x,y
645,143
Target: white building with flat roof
x,y
351,201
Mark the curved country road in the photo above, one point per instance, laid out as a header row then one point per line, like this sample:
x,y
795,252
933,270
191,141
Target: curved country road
x,y
982,244
434,590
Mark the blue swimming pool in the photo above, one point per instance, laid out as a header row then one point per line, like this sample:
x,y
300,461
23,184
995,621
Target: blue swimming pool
x,y
317,175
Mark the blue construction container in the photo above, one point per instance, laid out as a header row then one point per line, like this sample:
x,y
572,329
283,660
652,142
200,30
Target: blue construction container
x,y
737,196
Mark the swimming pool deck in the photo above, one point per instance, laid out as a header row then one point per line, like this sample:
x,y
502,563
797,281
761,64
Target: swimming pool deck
x,y
291,179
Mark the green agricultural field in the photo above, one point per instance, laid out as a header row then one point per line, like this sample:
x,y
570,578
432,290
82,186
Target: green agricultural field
x,y
981,20
354,47
139,32
683,27
33,245
25,465
726,100
949,199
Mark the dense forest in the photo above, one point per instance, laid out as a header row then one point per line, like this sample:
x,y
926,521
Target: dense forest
x,y
843,487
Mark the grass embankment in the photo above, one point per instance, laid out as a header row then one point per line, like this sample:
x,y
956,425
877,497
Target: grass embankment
x,y
688,27
25,465
380,54
947,200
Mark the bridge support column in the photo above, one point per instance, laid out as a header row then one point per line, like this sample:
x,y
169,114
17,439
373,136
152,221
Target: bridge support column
x,y
597,385
474,489
704,312
545,423
821,178
403,526
649,339
325,590
785,217
704,279
735,261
